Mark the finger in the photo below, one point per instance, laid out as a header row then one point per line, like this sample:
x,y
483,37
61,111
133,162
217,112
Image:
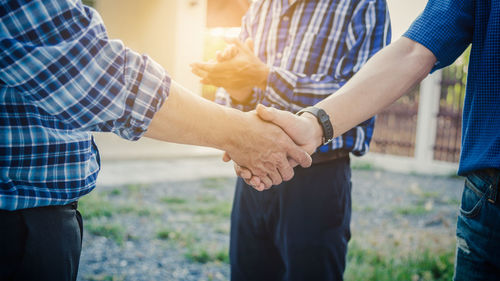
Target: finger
x,y
256,183
266,181
219,56
285,170
242,172
240,45
299,155
200,73
292,162
226,157
249,44
234,52
275,177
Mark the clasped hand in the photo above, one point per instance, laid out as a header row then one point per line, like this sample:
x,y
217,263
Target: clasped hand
x,y
238,70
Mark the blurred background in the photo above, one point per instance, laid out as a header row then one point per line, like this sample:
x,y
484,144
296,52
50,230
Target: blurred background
x,y
161,211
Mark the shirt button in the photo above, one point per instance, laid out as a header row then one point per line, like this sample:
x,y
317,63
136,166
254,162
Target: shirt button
x,y
278,55
286,18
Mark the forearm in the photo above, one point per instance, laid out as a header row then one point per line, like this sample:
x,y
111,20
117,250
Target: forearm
x,y
189,119
385,78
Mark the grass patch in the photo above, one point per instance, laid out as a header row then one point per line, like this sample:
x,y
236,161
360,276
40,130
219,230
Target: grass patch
x,y
103,277
358,208
173,200
95,205
219,209
206,198
112,231
363,166
369,264
136,188
169,234
453,201
411,210
430,195
115,192
204,254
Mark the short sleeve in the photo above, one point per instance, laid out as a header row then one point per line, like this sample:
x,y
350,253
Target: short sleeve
x,y
445,27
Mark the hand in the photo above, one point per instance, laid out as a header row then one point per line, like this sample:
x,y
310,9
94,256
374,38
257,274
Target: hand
x,y
244,70
264,149
227,54
304,130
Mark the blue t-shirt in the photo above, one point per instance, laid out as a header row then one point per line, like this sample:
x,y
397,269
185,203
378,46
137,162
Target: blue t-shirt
x,y
446,28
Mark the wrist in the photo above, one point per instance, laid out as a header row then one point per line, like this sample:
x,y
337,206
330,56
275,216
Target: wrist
x,y
316,132
231,129
263,75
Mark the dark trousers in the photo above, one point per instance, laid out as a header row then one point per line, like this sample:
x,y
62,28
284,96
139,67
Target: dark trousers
x,y
40,243
298,230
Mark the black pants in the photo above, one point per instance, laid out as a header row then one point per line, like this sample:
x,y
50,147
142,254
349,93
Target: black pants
x,y
40,243
298,230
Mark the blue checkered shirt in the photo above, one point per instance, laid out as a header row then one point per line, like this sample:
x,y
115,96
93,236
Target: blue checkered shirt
x,y
313,48
447,28
61,77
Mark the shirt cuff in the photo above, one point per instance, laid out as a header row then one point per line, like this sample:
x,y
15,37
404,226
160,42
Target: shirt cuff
x,y
148,86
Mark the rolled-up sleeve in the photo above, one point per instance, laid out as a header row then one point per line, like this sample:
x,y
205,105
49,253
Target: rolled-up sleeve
x,y
65,64
445,27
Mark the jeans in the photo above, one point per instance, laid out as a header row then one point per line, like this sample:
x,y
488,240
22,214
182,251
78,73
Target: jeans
x,y
298,230
478,228
40,243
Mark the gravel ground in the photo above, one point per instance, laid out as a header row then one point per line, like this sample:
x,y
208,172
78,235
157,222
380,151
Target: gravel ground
x,y
179,230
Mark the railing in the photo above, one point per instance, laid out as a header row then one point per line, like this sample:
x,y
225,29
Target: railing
x,y
449,117
396,127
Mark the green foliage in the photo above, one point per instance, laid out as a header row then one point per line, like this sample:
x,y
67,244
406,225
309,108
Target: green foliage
x,y
112,231
411,210
363,166
368,264
95,205
219,209
202,254
103,277
173,200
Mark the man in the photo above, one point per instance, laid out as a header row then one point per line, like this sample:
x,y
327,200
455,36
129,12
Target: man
x,y
295,54
436,38
61,77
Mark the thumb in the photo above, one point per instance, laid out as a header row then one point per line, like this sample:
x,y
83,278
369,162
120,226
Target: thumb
x,y
278,117
249,44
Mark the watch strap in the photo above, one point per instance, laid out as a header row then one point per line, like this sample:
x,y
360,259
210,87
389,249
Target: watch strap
x,y
324,121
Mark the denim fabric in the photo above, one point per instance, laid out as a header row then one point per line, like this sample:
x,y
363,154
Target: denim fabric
x,y
478,229
298,230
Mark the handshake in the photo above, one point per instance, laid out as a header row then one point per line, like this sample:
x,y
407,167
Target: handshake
x,y
270,142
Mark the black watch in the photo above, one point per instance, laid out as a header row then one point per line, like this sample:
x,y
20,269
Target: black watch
x,y
324,121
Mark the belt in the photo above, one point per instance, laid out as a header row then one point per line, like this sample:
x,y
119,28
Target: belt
x,y
318,158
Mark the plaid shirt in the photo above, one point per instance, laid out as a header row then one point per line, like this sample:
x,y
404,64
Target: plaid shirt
x,y
313,48
60,78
